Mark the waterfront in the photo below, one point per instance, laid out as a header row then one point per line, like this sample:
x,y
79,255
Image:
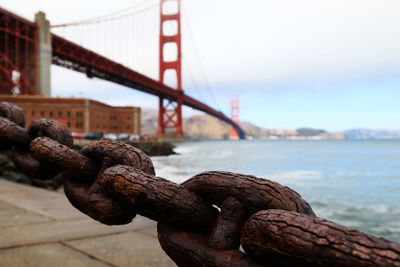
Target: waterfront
x,y
354,183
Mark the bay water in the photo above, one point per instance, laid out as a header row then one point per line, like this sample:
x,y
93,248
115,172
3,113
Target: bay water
x,y
353,183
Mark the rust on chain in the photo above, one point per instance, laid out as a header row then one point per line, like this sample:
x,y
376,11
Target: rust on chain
x,y
82,169
71,163
29,165
11,134
255,193
92,199
293,238
238,196
190,249
12,123
51,129
13,113
227,228
158,198
110,153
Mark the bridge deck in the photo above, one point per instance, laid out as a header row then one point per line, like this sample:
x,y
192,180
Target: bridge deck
x,y
78,58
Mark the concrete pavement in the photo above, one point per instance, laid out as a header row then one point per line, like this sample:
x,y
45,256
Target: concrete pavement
x,y
41,228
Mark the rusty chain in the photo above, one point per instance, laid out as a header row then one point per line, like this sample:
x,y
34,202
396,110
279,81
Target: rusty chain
x,y
213,219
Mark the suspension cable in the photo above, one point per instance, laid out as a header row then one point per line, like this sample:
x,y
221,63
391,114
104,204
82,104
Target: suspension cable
x,y
110,16
199,59
191,78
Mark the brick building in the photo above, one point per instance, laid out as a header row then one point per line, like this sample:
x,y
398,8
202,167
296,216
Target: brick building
x,y
79,114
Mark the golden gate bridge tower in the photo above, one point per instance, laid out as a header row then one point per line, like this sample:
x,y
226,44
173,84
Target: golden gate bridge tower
x,y
170,112
233,134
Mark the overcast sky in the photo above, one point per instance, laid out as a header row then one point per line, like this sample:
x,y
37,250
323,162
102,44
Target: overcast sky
x,y
293,63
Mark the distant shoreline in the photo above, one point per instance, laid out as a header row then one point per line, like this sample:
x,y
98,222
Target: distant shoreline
x,y
294,140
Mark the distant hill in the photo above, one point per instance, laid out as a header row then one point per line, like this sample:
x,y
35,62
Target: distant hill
x,y
149,122
372,134
205,127
208,127
309,132
196,127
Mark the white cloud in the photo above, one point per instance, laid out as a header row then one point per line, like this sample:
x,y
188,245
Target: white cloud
x,y
257,40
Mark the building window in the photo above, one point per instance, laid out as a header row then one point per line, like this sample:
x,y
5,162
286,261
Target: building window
x,y
60,114
33,113
79,124
128,127
68,114
42,113
128,118
51,114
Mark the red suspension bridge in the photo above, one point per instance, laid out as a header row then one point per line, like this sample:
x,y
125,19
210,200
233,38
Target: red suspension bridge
x,y
27,49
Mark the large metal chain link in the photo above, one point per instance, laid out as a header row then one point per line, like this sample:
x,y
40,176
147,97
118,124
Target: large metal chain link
x,y
202,222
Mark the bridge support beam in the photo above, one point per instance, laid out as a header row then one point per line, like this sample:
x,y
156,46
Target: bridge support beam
x,y
170,117
44,54
170,111
18,54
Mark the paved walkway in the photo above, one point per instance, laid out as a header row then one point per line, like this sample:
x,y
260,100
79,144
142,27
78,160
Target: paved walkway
x,y
41,228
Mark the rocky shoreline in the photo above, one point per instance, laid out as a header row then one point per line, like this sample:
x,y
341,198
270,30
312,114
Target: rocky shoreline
x,y
8,171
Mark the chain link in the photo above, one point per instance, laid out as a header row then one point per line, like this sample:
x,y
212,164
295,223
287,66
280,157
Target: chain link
x,y
201,222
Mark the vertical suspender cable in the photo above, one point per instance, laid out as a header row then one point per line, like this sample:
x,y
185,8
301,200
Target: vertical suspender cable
x,y
199,59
